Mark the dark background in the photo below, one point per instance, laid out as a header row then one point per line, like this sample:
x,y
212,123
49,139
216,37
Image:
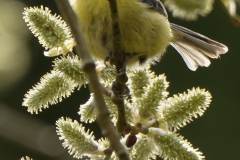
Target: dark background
x,y
216,133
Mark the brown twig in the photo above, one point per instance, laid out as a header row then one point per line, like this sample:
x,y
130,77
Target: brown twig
x,y
102,112
119,87
117,56
119,102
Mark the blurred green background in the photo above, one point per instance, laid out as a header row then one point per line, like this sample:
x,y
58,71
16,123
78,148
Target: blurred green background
x,y
22,63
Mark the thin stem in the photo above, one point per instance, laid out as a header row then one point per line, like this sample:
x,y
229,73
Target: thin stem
x,y
119,87
117,56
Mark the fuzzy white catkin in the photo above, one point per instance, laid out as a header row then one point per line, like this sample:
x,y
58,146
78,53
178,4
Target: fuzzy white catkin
x,y
189,9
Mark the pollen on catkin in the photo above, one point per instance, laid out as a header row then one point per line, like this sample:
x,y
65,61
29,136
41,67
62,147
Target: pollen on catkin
x,y
52,32
172,146
51,89
79,142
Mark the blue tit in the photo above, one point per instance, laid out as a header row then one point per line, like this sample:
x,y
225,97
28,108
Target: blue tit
x,y
145,33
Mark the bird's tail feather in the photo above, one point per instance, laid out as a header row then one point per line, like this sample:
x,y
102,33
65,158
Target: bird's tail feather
x,y
195,48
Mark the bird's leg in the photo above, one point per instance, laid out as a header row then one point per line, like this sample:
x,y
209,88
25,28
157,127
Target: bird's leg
x,y
142,59
122,69
107,58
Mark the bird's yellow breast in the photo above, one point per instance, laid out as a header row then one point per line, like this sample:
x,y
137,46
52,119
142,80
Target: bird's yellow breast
x,y
143,30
